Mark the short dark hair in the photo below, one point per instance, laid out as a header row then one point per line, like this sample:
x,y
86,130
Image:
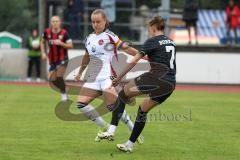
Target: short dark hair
x,y
158,22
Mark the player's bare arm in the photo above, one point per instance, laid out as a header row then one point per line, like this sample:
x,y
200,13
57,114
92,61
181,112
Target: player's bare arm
x,y
126,48
42,47
133,62
85,62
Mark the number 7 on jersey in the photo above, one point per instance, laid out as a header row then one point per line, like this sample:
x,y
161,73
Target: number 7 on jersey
x,y
172,50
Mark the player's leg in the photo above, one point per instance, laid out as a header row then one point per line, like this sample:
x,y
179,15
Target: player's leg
x,y
130,90
110,96
195,31
141,118
30,64
158,91
228,34
55,83
127,120
60,70
38,68
235,36
52,78
118,107
189,31
89,92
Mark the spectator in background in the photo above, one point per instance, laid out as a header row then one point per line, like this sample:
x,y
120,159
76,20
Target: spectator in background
x,y
34,55
75,15
190,16
232,20
109,6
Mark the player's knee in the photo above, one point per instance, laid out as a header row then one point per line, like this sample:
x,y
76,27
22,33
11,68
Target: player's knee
x,y
52,76
123,96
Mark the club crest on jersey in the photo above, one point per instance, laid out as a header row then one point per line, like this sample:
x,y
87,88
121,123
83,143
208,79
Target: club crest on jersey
x,y
60,37
49,36
51,42
100,42
94,48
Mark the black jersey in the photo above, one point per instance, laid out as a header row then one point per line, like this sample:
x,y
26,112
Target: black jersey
x,y
161,54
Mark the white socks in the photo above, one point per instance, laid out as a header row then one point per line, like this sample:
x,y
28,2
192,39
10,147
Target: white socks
x,y
129,144
64,97
126,119
112,129
91,113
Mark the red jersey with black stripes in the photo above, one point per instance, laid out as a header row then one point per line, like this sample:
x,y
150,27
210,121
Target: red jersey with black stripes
x,y
56,53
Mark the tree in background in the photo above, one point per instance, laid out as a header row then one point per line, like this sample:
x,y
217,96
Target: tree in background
x,y
18,17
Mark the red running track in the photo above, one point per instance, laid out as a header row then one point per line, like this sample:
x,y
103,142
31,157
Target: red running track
x,y
180,87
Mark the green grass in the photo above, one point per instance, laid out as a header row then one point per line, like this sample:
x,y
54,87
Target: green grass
x,y
30,130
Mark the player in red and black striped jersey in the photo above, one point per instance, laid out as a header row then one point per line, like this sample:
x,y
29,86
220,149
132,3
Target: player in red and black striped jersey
x,y
59,42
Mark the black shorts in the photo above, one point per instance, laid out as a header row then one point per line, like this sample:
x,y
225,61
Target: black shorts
x,y
53,66
157,88
190,23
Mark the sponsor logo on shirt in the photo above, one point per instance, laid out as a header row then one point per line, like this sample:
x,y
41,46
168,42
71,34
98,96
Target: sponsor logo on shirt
x,y
100,42
60,37
51,42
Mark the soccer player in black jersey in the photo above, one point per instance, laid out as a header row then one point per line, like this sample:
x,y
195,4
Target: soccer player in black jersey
x,y
158,83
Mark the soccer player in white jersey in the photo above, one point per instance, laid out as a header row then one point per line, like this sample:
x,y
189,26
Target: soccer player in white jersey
x,y
101,46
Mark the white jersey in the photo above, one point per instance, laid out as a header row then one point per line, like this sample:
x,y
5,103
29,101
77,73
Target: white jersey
x,y
102,49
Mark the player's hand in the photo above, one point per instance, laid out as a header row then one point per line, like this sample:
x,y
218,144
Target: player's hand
x,y
58,42
78,77
125,45
44,56
116,81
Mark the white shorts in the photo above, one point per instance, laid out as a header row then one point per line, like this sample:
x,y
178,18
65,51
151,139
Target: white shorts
x,y
99,85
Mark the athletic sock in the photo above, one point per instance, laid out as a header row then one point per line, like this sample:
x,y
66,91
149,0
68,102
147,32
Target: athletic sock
x,y
61,84
139,125
93,115
118,112
64,96
129,144
126,119
112,129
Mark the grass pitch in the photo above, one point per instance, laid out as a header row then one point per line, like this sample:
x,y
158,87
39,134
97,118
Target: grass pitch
x,y
189,125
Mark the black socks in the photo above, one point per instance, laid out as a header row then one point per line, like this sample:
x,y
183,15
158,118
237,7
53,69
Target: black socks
x,y
60,84
139,125
119,108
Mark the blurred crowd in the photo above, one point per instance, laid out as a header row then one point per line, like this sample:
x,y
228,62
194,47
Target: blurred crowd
x,y
75,18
